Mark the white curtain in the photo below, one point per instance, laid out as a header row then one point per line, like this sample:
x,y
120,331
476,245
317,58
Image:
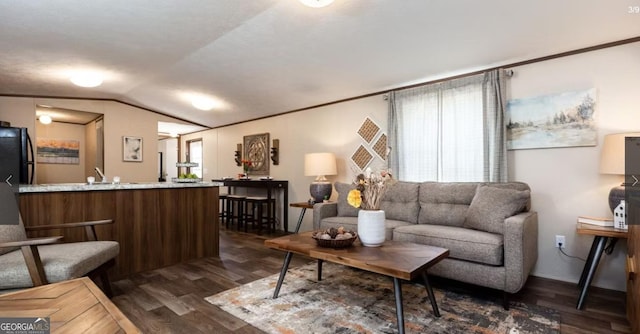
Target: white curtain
x,y
449,131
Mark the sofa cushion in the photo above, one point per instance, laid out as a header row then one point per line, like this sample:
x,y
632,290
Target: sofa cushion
x,y
492,205
400,202
462,243
445,203
344,208
351,223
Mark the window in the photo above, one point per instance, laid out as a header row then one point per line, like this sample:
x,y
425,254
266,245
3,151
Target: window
x,y
446,132
194,154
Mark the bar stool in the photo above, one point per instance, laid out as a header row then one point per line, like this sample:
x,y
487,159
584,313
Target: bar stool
x,y
257,215
223,213
235,210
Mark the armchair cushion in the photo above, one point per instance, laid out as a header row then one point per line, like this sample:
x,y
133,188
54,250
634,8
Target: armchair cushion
x,y
60,261
491,206
9,230
11,233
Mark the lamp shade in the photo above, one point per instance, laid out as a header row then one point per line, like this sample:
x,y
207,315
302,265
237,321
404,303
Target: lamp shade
x,y
320,164
612,156
612,161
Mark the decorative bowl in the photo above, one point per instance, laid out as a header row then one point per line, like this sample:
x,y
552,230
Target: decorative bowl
x,y
334,243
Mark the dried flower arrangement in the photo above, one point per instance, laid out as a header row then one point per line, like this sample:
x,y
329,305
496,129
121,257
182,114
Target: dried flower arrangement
x,y
369,189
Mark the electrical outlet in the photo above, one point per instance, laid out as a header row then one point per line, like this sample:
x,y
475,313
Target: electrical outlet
x,y
560,240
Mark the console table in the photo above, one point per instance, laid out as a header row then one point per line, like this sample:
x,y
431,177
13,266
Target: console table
x,y
270,186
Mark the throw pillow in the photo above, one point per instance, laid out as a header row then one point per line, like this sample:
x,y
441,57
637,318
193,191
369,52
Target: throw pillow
x,y
491,206
344,208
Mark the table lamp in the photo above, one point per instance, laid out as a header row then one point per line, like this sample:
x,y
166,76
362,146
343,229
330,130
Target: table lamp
x,y
612,161
319,165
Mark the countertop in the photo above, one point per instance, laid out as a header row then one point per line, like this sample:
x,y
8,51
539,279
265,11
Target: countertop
x,y
57,187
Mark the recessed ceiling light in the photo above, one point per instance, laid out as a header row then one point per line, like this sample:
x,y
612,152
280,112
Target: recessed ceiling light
x,y
316,3
87,79
45,119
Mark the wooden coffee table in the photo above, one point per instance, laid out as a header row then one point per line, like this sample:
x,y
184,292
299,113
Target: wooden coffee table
x,y
398,260
74,306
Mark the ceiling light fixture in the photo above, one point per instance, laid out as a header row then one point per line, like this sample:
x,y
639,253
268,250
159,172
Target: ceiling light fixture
x,y
45,119
87,79
202,103
316,3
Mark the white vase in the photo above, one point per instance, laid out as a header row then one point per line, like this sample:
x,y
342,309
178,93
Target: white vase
x,y
371,227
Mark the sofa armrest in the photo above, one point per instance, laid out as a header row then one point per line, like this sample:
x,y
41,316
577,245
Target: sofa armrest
x,y
323,210
520,249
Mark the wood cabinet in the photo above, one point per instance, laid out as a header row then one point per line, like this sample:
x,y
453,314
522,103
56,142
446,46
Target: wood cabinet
x,y
155,227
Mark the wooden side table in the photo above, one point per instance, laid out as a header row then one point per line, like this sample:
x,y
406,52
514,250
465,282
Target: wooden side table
x,y
304,206
75,306
602,235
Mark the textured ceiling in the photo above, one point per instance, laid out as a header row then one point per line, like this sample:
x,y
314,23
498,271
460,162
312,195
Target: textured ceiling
x,y
263,57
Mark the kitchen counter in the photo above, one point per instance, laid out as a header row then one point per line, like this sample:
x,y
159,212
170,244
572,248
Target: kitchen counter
x,y
57,187
156,224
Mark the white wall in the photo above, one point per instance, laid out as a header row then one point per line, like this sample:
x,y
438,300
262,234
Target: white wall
x,y
61,173
565,182
119,120
328,129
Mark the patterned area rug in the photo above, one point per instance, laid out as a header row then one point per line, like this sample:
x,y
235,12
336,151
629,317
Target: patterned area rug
x,y
354,301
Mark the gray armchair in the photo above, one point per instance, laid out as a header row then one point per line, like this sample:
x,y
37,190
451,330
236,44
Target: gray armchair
x,y
28,262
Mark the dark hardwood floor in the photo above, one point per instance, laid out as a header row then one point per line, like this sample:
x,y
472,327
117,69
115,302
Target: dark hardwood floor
x,y
171,299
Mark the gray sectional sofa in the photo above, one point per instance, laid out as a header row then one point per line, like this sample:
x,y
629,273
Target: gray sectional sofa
x,y
489,229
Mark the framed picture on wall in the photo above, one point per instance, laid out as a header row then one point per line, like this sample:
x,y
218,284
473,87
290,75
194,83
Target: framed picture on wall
x,y
256,150
132,149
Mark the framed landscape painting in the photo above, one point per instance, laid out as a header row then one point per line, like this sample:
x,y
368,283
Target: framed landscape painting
x,y
57,151
559,120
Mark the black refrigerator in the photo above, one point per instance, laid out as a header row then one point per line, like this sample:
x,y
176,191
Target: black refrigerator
x,y
16,156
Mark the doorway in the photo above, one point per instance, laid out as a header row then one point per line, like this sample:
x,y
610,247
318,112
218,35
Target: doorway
x,y
194,154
